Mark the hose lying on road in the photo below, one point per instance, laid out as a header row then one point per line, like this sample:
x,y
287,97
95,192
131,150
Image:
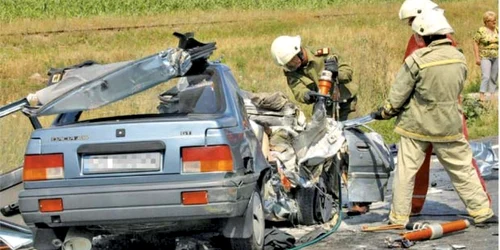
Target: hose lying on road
x,y
328,233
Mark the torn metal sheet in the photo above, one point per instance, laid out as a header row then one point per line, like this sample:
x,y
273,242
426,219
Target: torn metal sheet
x,y
15,236
360,121
326,147
301,154
97,85
11,178
13,107
398,243
278,206
485,156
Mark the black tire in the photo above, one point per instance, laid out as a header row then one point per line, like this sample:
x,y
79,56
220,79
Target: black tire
x,y
314,206
256,241
323,204
305,201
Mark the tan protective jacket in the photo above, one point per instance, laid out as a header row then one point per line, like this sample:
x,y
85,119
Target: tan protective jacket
x,y
426,92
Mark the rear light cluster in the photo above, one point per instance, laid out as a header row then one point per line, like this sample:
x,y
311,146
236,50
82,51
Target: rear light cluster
x,y
43,167
207,159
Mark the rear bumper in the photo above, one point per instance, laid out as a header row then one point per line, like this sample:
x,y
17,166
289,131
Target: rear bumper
x,y
137,203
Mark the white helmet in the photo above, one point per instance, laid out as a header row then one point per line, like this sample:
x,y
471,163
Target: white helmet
x,y
431,23
412,8
284,48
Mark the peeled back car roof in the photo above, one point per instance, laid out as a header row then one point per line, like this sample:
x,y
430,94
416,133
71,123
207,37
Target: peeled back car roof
x,y
75,78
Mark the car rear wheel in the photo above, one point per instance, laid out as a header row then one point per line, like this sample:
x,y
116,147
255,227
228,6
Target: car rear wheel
x,y
323,203
305,202
256,240
315,205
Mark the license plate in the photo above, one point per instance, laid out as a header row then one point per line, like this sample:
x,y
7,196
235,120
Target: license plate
x,y
122,163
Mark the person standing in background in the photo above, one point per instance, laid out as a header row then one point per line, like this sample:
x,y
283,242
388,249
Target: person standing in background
x,y
486,54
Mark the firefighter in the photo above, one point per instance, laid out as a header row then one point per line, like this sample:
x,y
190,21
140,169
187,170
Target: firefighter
x,y
424,97
302,68
408,11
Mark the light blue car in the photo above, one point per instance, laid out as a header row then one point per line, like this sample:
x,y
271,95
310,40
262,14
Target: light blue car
x,y
165,144
191,162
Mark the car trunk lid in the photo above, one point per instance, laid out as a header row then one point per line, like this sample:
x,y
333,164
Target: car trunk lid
x,y
111,150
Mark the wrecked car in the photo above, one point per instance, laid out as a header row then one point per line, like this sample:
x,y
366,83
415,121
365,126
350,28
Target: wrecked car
x,y
310,162
185,160
171,143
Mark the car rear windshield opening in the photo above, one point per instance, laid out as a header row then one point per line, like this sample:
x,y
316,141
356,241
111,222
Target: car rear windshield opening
x,y
196,94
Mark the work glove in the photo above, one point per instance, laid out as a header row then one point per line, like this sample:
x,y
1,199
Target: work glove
x,y
310,97
378,115
332,66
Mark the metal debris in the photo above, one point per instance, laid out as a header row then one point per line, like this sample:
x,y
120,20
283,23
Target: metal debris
x,y
398,243
442,248
485,157
15,236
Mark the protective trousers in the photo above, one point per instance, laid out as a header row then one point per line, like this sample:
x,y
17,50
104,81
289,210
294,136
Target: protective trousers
x,y
456,158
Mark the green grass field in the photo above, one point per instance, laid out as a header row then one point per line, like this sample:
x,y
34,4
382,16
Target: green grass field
x,y
367,33
14,9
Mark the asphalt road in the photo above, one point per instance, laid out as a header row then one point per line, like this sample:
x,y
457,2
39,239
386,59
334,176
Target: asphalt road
x,y
442,204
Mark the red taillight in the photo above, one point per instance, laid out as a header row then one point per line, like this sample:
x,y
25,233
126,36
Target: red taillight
x,y
50,205
43,167
207,159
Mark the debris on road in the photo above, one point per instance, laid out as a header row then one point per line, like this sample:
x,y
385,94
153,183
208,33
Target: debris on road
x,y
10,210
14,236
485,157
398,243
366,228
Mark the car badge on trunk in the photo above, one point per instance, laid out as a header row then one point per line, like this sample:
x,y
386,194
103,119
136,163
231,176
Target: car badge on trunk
x,y
70,138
